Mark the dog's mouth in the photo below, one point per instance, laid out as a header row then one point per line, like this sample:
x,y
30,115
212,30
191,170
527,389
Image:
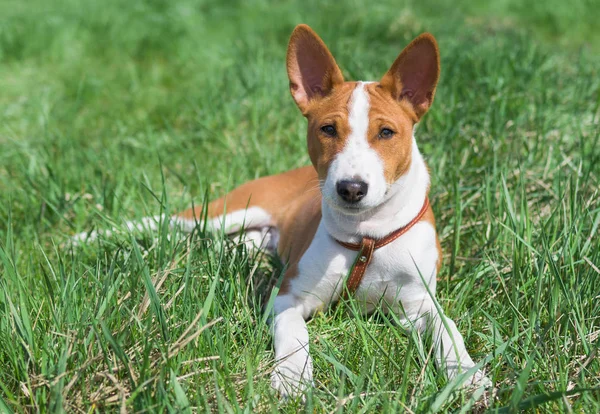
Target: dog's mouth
x,y
343,207
346,208
352,209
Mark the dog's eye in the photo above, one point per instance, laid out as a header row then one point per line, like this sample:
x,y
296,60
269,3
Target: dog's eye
x,y
386,133
329,130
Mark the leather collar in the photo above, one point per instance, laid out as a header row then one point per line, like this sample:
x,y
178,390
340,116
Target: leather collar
x,y
366,248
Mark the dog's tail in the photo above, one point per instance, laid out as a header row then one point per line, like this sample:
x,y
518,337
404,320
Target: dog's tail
x,y
253,208
145,224
252,226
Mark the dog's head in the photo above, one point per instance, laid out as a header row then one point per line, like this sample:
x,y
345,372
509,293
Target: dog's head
x,y
360,134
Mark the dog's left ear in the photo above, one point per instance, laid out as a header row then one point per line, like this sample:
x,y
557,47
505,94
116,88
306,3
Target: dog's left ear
x,y
415,73
311,68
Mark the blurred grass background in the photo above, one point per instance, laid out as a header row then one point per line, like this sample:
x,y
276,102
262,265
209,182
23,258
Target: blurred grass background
x,y
115,110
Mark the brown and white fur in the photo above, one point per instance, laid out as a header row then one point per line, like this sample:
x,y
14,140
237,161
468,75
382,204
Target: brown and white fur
x,y
368,178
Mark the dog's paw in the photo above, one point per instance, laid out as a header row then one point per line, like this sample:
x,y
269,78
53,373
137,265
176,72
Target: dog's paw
x,y
292,376
466,379
477,380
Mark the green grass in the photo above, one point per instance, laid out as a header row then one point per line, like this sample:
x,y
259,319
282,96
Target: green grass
x,y
115,110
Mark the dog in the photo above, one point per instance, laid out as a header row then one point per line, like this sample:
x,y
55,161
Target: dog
x,y
355,224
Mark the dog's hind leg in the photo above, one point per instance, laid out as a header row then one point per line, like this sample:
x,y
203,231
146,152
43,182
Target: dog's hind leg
x,y
252,210
253,226
255,206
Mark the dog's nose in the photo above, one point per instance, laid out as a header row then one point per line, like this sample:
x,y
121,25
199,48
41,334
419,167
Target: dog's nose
x,y
352,191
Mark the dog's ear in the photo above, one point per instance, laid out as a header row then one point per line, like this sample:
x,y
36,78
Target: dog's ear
x,y
311,67
415,73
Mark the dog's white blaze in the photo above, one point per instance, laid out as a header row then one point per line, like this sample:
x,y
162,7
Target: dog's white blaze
x,y
358,117
358,161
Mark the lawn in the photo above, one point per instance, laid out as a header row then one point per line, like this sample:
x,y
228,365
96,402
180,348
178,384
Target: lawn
x,y
115,110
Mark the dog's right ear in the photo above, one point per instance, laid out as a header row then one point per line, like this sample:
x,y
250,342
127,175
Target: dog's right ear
x,y
414,74
311,67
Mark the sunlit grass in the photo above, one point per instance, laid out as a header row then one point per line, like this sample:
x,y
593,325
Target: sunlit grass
x,y
111,111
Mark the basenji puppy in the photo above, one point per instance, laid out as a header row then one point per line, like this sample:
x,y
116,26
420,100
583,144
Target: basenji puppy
x,y
357,222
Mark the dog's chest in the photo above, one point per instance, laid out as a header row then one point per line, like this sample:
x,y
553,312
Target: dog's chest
x,y
397,272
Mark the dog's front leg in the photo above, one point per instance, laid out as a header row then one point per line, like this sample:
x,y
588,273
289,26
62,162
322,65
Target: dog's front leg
x,y
293,372
448,344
